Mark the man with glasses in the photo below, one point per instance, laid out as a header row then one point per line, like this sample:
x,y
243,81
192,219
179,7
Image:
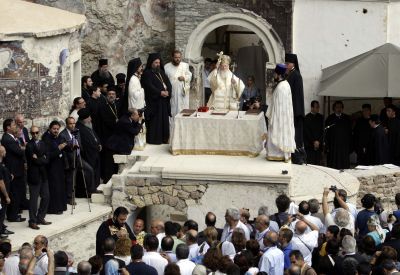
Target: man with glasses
x,y
36,157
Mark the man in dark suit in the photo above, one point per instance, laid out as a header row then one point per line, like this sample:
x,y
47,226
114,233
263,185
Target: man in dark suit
x,y
378,147
36,157
73,152
14,161
5,178
23,138
109,247
91,144
123,139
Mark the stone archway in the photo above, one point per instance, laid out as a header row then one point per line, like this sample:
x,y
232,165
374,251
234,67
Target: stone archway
x,y
192,50
272,43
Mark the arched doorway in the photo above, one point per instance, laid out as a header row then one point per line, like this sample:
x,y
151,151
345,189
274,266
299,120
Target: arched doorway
x,y
268,38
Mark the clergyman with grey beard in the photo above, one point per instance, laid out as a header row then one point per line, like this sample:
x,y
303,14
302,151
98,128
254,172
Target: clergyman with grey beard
x,y
91,145
102,74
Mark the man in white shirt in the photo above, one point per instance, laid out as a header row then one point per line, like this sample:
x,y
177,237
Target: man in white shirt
x,y
186,266
42,261
263,210
340,201
232,218
191,241
262,227
272,261
303,241
152,257
304,209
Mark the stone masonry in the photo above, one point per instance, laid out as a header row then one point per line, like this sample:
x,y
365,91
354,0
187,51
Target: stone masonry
x,y
137,191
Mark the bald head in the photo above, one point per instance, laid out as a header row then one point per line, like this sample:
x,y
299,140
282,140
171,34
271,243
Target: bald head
x,y
138,226
301,227
271,239
262,222
157,226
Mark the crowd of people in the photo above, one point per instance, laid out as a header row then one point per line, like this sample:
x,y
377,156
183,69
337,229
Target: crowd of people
x,y
296,240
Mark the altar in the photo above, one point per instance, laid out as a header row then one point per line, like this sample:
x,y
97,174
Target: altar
x,y
234,133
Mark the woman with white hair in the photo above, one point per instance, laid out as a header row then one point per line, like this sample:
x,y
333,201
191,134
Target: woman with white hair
x,y
375,230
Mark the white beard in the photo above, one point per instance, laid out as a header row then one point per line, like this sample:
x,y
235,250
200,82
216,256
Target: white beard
x,y
224,74
88,124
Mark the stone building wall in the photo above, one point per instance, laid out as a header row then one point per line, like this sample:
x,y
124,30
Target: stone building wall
x,y
382,182
33,82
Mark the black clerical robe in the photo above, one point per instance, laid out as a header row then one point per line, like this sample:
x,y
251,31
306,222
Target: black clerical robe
x,y
109,228
338,141
55,174
93,106
158,108
393,126
99,80
123,139
361,140
313,131
378,147
108,116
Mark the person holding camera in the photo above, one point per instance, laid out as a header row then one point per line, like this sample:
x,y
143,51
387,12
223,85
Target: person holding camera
x,y
123,139
72,137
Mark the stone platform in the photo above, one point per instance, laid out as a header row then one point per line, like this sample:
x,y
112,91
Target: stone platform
x,y
74,233
192,185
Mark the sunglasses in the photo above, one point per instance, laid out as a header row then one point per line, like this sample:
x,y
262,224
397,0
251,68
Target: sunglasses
x,y
34,133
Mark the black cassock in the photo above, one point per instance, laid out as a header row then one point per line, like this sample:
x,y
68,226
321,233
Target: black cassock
x,y
313,131
361,140
55,174
90,153
158,108
108,229
99,80
378,147
393,126
338,141
93,104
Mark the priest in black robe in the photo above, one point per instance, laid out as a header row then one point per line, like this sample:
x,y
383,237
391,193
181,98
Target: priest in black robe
x,y
102,74
108,117
55,145
383,116
338,138
91,147
362,132
393,131
313,134
157,90
378,147
115,227
296,85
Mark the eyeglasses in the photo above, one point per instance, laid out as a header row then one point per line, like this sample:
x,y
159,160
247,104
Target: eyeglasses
x,y
34,133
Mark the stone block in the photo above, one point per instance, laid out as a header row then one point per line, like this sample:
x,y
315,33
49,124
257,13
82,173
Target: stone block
x,y
189,188
155,198
171,201
397,174
168,182
190,202
161,198
120,159
176,217
167,189
154,189
148,200
174,193
195,195
132,190
133,180
202,188
138,201
183,194
154,181
143,190
181,205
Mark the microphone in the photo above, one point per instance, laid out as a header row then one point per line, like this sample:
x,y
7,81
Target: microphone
x,y
329,126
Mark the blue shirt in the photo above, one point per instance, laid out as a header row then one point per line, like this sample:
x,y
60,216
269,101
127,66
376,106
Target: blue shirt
x,y
361,222
286,252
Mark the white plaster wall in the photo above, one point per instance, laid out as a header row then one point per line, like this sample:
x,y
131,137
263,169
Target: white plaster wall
x,y
219,197
328,32
394,23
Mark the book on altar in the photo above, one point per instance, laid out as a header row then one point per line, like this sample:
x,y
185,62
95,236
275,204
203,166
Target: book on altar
x,y
188,112
220,112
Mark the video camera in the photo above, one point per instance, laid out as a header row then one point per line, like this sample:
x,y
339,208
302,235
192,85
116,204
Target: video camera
x,y
333,188
75,132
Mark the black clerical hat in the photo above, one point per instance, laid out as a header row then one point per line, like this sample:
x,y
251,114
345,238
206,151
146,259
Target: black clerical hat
x,y
120,78
103,61
83,113
292,58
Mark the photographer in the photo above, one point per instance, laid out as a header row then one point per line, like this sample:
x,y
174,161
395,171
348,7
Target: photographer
x,y
123,139
42,261
342,218
73,152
